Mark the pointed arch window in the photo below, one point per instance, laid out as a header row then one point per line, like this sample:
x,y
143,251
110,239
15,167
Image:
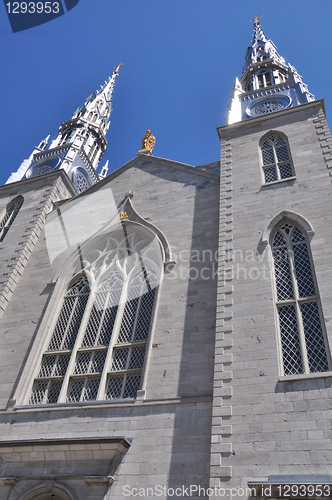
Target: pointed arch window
x,y
66,135
302,339
276,158
99,340
264,79
12,209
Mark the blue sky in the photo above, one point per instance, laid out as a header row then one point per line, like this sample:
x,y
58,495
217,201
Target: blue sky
x,y
181,59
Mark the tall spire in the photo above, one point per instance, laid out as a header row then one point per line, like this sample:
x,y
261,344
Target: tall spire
x,y
80,143
267,83
258,32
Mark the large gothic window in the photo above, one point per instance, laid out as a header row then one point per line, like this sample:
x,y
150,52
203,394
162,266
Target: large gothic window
x,y
276,158
98,345
301,335
12,209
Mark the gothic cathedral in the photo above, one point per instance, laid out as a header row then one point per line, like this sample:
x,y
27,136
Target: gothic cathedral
x,y
166,330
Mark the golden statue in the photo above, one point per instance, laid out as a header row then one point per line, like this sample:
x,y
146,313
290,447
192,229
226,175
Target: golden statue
x,y
148,141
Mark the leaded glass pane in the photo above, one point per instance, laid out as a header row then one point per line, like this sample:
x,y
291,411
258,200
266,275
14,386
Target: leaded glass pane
x,y
297,236
54,366
54,391
305,281
132,385
281,150
90,390
282,269
128,321
38,392
75,390
285,171
313,332
114,387
290,345
144,315
47,366
120,357
90,362
69,321
270,174
267,153
137,356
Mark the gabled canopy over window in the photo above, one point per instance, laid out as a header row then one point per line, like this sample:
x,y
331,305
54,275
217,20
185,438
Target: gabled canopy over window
x,y
98,345
301,335
276,158
12,209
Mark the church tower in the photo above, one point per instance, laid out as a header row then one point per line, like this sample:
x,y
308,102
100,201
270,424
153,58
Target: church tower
x,y
80,143
267,83
272,373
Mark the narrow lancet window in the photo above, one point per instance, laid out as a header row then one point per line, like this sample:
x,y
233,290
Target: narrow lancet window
x,y
301,336
276,158
12,209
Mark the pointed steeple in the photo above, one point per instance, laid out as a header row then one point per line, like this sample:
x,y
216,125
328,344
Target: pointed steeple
x,y
267,84
259,35
80,144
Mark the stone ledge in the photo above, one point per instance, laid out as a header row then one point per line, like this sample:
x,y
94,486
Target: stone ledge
x,y
304,376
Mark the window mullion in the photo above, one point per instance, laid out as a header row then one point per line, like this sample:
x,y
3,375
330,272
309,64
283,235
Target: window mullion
x,y
114,336
276,161
78,341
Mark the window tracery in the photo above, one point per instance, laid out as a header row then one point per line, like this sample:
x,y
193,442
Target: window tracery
x,y
301,335
99,341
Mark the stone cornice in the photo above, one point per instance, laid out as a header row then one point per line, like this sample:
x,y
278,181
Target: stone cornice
x,y
54,174
237,128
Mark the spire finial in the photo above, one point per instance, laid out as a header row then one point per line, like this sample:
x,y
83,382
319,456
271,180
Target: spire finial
x,y
118,67
255,19
258,32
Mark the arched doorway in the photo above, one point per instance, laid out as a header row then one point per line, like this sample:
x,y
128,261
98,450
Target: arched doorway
x,y
58,492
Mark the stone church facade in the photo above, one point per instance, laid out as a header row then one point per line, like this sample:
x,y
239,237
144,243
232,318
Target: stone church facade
x,y
152,345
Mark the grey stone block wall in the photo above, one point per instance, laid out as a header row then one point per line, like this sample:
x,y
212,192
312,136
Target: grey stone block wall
x,y
170,430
